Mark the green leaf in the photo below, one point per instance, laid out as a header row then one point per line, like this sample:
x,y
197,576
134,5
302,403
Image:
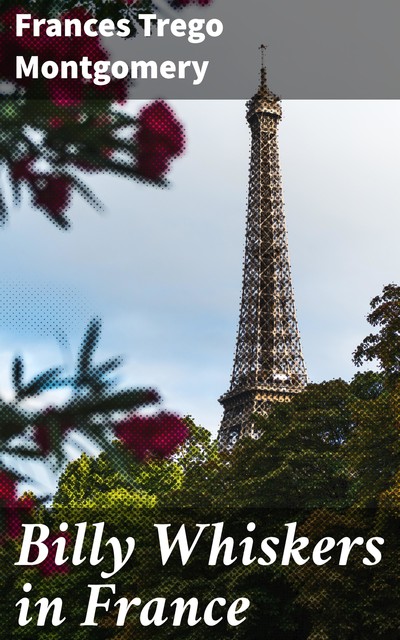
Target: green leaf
x,y
49,379
86,193
12,421
89,344
119,401
3,209
107,367
15,186
17,374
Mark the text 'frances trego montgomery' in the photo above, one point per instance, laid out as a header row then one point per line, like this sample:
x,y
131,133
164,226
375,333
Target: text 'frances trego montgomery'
x,y
101,72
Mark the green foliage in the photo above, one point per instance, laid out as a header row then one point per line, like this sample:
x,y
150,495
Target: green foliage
x,y
38,131
383,346
328,460
296,455
98,483
93,405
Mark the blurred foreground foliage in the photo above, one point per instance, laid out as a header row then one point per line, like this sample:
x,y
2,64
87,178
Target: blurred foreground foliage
x,y
328,460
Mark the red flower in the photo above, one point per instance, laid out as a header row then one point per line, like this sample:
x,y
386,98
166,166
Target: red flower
x,y
11,46
52,193
64,92
42,432
23,505
67,91
8,488
27,502
158,435
153,163
22,169
11,507
49,567
26,42
8,502
159,138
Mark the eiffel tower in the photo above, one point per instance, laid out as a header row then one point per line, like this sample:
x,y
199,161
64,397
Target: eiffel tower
x,y
268,365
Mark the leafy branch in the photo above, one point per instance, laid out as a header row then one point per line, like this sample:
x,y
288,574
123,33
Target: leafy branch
x,y
93,407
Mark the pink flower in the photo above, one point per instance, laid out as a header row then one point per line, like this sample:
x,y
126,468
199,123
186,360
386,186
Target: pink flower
x,y
11,46
158,435
26,42
49,567
63,92
159,138
27,502
11,507
52,193
8,488
22,169
68,92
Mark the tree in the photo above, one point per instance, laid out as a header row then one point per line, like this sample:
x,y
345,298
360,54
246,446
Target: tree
x,y
383,346
329,460
356,601
123,490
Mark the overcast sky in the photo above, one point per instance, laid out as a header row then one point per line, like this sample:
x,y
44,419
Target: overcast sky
x,y
163,267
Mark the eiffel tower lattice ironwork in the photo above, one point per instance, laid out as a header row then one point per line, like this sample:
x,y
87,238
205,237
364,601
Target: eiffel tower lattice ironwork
x,y
268,365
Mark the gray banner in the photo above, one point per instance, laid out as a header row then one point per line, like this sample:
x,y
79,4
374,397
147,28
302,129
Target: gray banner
x,y
317,49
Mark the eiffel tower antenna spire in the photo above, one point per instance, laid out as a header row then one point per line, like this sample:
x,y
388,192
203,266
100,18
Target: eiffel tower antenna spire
x,y
268,364
263,71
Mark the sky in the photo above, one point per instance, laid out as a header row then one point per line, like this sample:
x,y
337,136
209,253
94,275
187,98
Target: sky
x,y
162,268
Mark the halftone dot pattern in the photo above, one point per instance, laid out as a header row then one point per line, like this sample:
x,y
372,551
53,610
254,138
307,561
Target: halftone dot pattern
x,y
158,435
159,138
303,469
63,92
87,139
55,129
328,461
47,310
180,4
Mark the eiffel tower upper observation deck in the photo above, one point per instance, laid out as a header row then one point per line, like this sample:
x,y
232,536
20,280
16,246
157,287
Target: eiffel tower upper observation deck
x,y
268,365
